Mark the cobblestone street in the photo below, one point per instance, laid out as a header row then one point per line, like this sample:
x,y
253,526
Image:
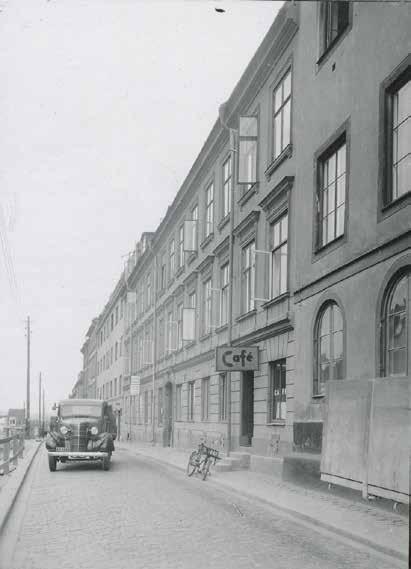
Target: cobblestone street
x,y
144,515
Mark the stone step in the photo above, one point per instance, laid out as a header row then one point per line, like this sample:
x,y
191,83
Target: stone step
x,y
243,457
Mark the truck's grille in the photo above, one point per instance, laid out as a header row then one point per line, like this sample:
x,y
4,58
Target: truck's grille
x,y
78,437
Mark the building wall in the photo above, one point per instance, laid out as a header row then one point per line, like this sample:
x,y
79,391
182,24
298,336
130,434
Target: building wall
x,y
340,91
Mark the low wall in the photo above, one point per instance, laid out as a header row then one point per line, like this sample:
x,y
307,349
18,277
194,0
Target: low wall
x,y
366,436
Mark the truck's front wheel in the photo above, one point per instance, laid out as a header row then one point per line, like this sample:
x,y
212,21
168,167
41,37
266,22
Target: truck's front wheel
x,y
106,462
52,463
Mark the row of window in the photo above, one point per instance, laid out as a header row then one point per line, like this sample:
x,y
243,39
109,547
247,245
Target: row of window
x,y
111,356
395,336
111,321
110,389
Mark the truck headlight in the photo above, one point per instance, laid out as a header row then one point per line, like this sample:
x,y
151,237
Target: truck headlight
x,y
63,430
94,430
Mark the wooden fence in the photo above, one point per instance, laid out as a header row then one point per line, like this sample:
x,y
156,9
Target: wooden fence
x,y
366,436
11,449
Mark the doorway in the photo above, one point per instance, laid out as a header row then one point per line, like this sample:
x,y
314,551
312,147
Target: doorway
x,y
247,408
168,413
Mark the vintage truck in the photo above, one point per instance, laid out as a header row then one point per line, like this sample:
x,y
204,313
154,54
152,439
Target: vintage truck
x,y
83,430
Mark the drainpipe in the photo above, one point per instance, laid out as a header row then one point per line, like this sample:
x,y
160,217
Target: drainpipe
x,y
232,133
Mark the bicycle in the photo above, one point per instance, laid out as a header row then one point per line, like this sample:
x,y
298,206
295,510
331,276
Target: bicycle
x,y
201,459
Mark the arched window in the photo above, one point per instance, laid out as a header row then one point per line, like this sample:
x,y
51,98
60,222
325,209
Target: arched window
x,y
395,326
328,347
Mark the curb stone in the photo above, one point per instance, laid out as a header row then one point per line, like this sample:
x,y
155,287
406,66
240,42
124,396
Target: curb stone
x,y
293,513
9,493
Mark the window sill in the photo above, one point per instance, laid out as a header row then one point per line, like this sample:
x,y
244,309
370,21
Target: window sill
x,y
275,300
248,314
395,205
223,222
329,247
190,344
248,195
330,48
221,328
320,396
286,153
192,257
207,240
205,336
276,423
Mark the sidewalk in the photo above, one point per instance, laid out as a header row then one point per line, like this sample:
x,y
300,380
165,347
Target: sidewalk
x,y
11,483
384,531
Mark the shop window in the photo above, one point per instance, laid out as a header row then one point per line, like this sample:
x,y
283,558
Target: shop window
x,y
205,397
328,347
277,405
395,326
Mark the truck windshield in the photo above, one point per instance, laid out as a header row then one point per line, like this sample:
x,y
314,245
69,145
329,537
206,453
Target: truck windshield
x,y
67,411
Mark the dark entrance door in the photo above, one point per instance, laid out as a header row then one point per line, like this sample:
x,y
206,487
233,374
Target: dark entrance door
x,y
168,413
247,408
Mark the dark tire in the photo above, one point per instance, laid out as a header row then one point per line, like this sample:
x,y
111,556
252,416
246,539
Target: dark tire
x,y
52,463
192,463
206,468
106,462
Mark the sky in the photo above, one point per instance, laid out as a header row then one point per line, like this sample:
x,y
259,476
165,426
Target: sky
x,y
104,106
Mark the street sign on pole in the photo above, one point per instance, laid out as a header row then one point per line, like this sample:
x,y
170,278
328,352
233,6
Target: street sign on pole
x,y
244,358
135,385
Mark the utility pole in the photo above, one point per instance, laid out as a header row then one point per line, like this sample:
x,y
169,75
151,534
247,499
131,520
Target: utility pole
x,y
28,379
43,416
39,402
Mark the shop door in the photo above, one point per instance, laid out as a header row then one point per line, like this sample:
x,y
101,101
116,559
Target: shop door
x,y
247,408
168,414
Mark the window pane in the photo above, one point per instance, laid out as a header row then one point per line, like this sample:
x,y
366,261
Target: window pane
x,y
287,85
277,135
398,301
331,197
276,274
326,322
324,349
337,319
276,234
398,362
341,190
341,163
403,177
286,124
283,283
403,140
340,221
331,168
338,345
397,331
324,374
284,228
278,98
331,229
403,103
247,162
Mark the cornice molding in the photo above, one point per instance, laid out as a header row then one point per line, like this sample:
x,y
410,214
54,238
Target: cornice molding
x,y
247,222
277,192
205,264
222,247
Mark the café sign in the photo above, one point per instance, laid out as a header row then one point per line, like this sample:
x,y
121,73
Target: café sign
x,y
229,358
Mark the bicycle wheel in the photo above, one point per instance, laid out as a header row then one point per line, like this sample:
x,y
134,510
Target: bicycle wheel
x,y
192,463
206,468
